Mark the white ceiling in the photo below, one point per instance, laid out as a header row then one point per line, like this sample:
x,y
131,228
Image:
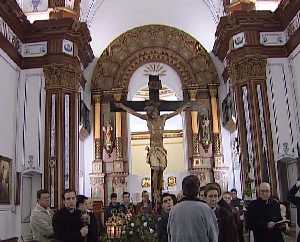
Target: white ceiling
x,y
114,17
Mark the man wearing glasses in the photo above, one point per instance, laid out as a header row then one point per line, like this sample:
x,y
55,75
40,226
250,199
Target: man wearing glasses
x,y
264,217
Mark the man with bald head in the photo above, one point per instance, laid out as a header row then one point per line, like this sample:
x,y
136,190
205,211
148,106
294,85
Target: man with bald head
x,y
263,213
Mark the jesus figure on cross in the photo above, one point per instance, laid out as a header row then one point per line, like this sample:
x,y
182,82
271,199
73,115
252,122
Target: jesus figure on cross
x,y
157,154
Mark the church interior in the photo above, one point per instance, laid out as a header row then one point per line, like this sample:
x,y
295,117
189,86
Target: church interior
x,y
66,65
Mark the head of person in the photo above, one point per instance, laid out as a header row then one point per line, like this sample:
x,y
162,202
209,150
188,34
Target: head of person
x,y
264,191
212,194
227,197
81,203
114,198
201,193
190,186
145,197
69,198
43,198
152,111
233,193
167,202
126,197
90,204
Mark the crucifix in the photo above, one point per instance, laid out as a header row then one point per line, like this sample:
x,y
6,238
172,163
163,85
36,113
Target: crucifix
x,y
157,155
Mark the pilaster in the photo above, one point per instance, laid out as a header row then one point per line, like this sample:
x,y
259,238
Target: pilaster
x,y
61,152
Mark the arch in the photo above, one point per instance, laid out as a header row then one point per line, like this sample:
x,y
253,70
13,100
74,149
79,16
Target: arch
x,y
153,43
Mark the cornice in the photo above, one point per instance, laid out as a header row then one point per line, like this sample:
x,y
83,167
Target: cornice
x,y
253,27
53,32
252,21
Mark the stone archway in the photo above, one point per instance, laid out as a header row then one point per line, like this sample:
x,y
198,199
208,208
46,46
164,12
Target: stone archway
x,y
111,76
154,43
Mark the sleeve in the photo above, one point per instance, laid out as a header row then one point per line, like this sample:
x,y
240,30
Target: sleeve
x,y
39,223
61,233
292,196
213,229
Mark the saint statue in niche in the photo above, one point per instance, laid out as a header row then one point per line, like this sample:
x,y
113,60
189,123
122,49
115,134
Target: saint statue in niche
x,y
205,131
108,140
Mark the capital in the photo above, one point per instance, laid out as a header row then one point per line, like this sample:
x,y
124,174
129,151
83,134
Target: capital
x,y
96,98
213,90
193,94
62,76
247,68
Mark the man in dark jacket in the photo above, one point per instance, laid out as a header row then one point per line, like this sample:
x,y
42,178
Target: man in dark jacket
x,y
263,214
296,201
167,203
113,208
67,223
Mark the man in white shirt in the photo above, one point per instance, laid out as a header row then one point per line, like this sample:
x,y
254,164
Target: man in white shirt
x,y
41,218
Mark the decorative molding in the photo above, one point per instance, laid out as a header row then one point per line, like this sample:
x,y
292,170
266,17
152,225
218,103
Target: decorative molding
x,y
153,43
247,68
167,134
9,34
68,47
34,49
62,76
239,40
273,38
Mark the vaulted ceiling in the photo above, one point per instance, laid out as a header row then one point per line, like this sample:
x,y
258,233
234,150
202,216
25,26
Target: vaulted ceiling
x,y
111,18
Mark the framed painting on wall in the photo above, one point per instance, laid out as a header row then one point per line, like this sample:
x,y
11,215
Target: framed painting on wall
x,y
5,180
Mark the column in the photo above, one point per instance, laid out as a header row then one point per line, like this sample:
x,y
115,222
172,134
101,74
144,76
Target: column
x,y
61,130
219,168
215,119
195,125
97,175
248,75
119,181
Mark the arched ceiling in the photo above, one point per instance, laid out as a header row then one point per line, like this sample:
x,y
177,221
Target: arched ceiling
x,y
114,17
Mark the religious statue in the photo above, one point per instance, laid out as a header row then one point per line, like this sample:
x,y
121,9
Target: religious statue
x,y
205,132
108,141
157,154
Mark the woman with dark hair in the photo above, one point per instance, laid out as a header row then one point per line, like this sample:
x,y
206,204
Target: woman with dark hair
x,y
228,231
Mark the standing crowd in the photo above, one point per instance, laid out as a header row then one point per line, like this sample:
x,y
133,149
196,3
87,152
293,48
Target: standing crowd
x,y
198,214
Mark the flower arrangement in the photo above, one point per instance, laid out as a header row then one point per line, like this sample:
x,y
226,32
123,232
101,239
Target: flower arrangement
x,y
126,228
141,228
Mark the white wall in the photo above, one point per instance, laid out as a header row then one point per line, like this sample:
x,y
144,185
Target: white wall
x,y
233,177
86,147
283,108
22,132
9,215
